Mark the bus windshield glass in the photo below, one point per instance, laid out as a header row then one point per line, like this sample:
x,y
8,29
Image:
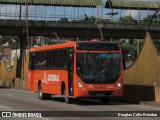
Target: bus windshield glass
x,y
96,68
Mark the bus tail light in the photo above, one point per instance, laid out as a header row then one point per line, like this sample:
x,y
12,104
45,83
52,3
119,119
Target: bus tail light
x,y
79,84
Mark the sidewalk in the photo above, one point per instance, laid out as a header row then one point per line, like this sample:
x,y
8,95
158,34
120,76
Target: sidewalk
x,y
134,101
151,103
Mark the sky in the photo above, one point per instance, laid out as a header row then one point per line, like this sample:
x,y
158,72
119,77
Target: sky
x,y
55,13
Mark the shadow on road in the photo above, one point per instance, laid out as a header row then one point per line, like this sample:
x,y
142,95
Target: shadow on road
x,y
90,101
98,102
2,87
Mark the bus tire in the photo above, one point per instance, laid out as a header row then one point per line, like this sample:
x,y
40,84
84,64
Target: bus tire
x,y
42,95
67,99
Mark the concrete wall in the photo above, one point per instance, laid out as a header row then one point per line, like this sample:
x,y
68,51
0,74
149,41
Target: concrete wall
x,y
144,72
80,29
158,80
6,75
8,78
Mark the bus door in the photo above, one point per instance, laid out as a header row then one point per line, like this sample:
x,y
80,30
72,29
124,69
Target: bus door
x,y
32,67
70,71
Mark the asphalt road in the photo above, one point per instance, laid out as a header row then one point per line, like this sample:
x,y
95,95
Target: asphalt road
x,y
22,101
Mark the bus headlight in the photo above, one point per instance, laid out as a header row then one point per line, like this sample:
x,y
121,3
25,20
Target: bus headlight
x,y
119,85
79,84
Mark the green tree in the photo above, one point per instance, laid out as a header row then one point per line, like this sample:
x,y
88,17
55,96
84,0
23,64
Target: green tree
x,y
127,18
156,19
129,49
91,19
157,44
64,19
147,18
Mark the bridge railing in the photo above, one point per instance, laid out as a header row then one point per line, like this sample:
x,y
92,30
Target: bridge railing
x,y
73,18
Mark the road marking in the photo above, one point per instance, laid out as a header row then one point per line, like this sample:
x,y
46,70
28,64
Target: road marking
x,y
4,107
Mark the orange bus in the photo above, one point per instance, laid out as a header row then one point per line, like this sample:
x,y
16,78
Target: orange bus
x,y
77,70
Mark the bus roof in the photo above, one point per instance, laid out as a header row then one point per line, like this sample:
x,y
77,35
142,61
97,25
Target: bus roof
x,y
70,44
54,46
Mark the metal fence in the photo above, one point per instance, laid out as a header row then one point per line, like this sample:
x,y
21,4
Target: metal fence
x,y
66,14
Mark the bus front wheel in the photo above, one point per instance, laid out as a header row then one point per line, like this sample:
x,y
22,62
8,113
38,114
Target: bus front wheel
x,y
42,95
67,99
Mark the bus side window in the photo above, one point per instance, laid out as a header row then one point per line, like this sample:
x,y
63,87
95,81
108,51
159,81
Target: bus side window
x,y
49,64
55,59
38,60
32,61
63,59
43,60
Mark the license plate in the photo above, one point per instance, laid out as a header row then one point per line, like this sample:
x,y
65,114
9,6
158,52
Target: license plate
x,y
100,94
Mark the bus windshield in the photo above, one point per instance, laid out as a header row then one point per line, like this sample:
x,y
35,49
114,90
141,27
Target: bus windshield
x,y
96,68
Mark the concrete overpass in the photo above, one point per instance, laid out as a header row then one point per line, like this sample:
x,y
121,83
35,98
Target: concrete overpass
x,y
77,29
